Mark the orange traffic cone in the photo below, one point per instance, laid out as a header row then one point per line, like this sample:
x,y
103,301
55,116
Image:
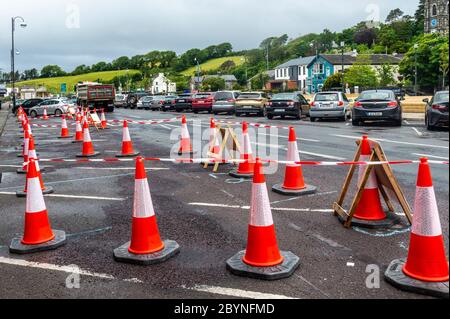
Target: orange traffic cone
x,y
369,207
294,183
127,144
38,235
78,133
45,117
33,156
104,124
426,268
262,259
26,136
245,169
214,144
25,150
146,246
185,143
88,147
20,114
64,128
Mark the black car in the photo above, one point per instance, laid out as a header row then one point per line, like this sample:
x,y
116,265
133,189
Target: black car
x,y
27,105
168,104
133,99
436,113
184,102
377,105
287,104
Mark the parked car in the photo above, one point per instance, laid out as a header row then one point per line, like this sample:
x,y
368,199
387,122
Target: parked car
x,y
27,105
436,113
120,100
329,105
225,102
377,105
145,102
54,107
133,99
287,104
157,102
251,103
168,103
183,102
203,102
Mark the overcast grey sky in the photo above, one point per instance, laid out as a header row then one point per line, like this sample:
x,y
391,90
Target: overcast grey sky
x,y
74,32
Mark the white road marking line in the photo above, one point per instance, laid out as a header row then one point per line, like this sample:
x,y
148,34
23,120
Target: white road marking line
x,y
66,269
417,131
297,198
120,168
304,210
164,126
14,166
350,264
267,145
236,292
322,155
171,125
282,136
74,196
406,122
390,141
431,156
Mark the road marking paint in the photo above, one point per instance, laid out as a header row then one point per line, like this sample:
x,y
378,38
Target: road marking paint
x,y
297,198
121,168
74,196
379,234
166,127
306,210
323,156
267,145
390,141
298,139
431,156
171,125
66,269
15,166
236,292
417,131
406,122
316,288
350,264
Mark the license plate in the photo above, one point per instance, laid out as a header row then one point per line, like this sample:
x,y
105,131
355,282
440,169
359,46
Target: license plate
x,y
279,110
326,106
375,113
181,101
247,107
201,102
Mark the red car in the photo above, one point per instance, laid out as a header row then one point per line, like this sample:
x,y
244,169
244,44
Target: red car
x,y
202,102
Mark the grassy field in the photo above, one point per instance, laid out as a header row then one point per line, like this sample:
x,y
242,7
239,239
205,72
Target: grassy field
x,y
54,84
214,64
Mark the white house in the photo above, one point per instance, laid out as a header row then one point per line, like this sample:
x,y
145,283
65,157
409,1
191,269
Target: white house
x,y
161,84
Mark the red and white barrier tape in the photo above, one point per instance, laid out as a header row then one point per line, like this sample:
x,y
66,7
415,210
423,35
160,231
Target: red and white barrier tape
x,y
257,125
145,122
237,161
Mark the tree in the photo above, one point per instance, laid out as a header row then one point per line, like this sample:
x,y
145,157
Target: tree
x,y
227,65
51,71
394,15
122,63
361,74
444,57
81,69
365,36
332,82
386,75
213,84
419,18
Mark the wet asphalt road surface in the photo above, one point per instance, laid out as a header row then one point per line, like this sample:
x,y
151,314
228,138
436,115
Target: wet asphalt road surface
x,y
207,214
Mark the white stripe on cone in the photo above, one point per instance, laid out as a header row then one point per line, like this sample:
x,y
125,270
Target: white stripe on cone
x,y
35,199
185,132
32,155
260,212
126,135
247,145
26,146
143,205
64,123
293,154
87,135
79,128
372,181
426,215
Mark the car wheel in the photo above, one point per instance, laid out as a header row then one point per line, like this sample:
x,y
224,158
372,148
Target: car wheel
x,y
195,112
398,123
428,124
33,114
312,119
270,116
343,118
356,123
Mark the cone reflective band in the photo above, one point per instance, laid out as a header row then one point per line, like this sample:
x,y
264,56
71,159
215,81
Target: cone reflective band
x,y
127,144
294,183
26,146
45,114
245,169
214,145
64,128
262,248
88,147
103,120
146,246
185,143
369,207
78,132
262,259
426,258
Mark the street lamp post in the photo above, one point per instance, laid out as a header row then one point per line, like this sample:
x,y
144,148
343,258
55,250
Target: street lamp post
x,y
13,52
416,46
343,70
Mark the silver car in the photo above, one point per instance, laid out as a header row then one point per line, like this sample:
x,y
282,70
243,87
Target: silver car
x,y
54,107
330,105
225,102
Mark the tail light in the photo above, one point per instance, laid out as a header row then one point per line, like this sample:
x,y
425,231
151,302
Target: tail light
x,y
161,102
358,104
392,104
313,104
231,100
173,102
341,103
291,103
269,103
439,107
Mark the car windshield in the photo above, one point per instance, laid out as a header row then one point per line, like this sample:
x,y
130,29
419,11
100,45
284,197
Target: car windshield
x,y
147,98
284,96
183,96
220,96
377,95
249,96
441,97
120,97
202,96
329,97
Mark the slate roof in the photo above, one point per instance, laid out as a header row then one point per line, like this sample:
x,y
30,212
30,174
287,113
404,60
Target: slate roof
x,y
296,62
376,59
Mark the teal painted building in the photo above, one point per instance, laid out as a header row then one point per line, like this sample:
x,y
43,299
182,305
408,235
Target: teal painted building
x,y
318,71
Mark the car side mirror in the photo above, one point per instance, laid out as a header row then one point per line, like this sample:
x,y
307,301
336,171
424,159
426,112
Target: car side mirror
x,y
426,101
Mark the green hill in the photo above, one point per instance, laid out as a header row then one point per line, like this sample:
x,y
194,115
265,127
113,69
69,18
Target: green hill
x,y
214,64
54,84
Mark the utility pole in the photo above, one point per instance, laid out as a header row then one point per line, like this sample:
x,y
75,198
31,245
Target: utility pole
x,y
13,71
343,70
416,46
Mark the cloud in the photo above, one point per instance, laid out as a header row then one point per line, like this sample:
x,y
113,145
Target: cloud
x,y
74,32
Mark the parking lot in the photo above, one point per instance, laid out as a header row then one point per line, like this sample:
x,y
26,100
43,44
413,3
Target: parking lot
x,y
206,213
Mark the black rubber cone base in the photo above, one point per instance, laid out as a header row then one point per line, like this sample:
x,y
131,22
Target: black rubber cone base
x,y
390,221
76,142
128,155
48,190
88,156
396,277
17,247
235,174
22,171
290,264
171,248
65,137
308,190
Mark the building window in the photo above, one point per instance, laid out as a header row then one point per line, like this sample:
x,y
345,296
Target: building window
x,y
434,10
318,68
